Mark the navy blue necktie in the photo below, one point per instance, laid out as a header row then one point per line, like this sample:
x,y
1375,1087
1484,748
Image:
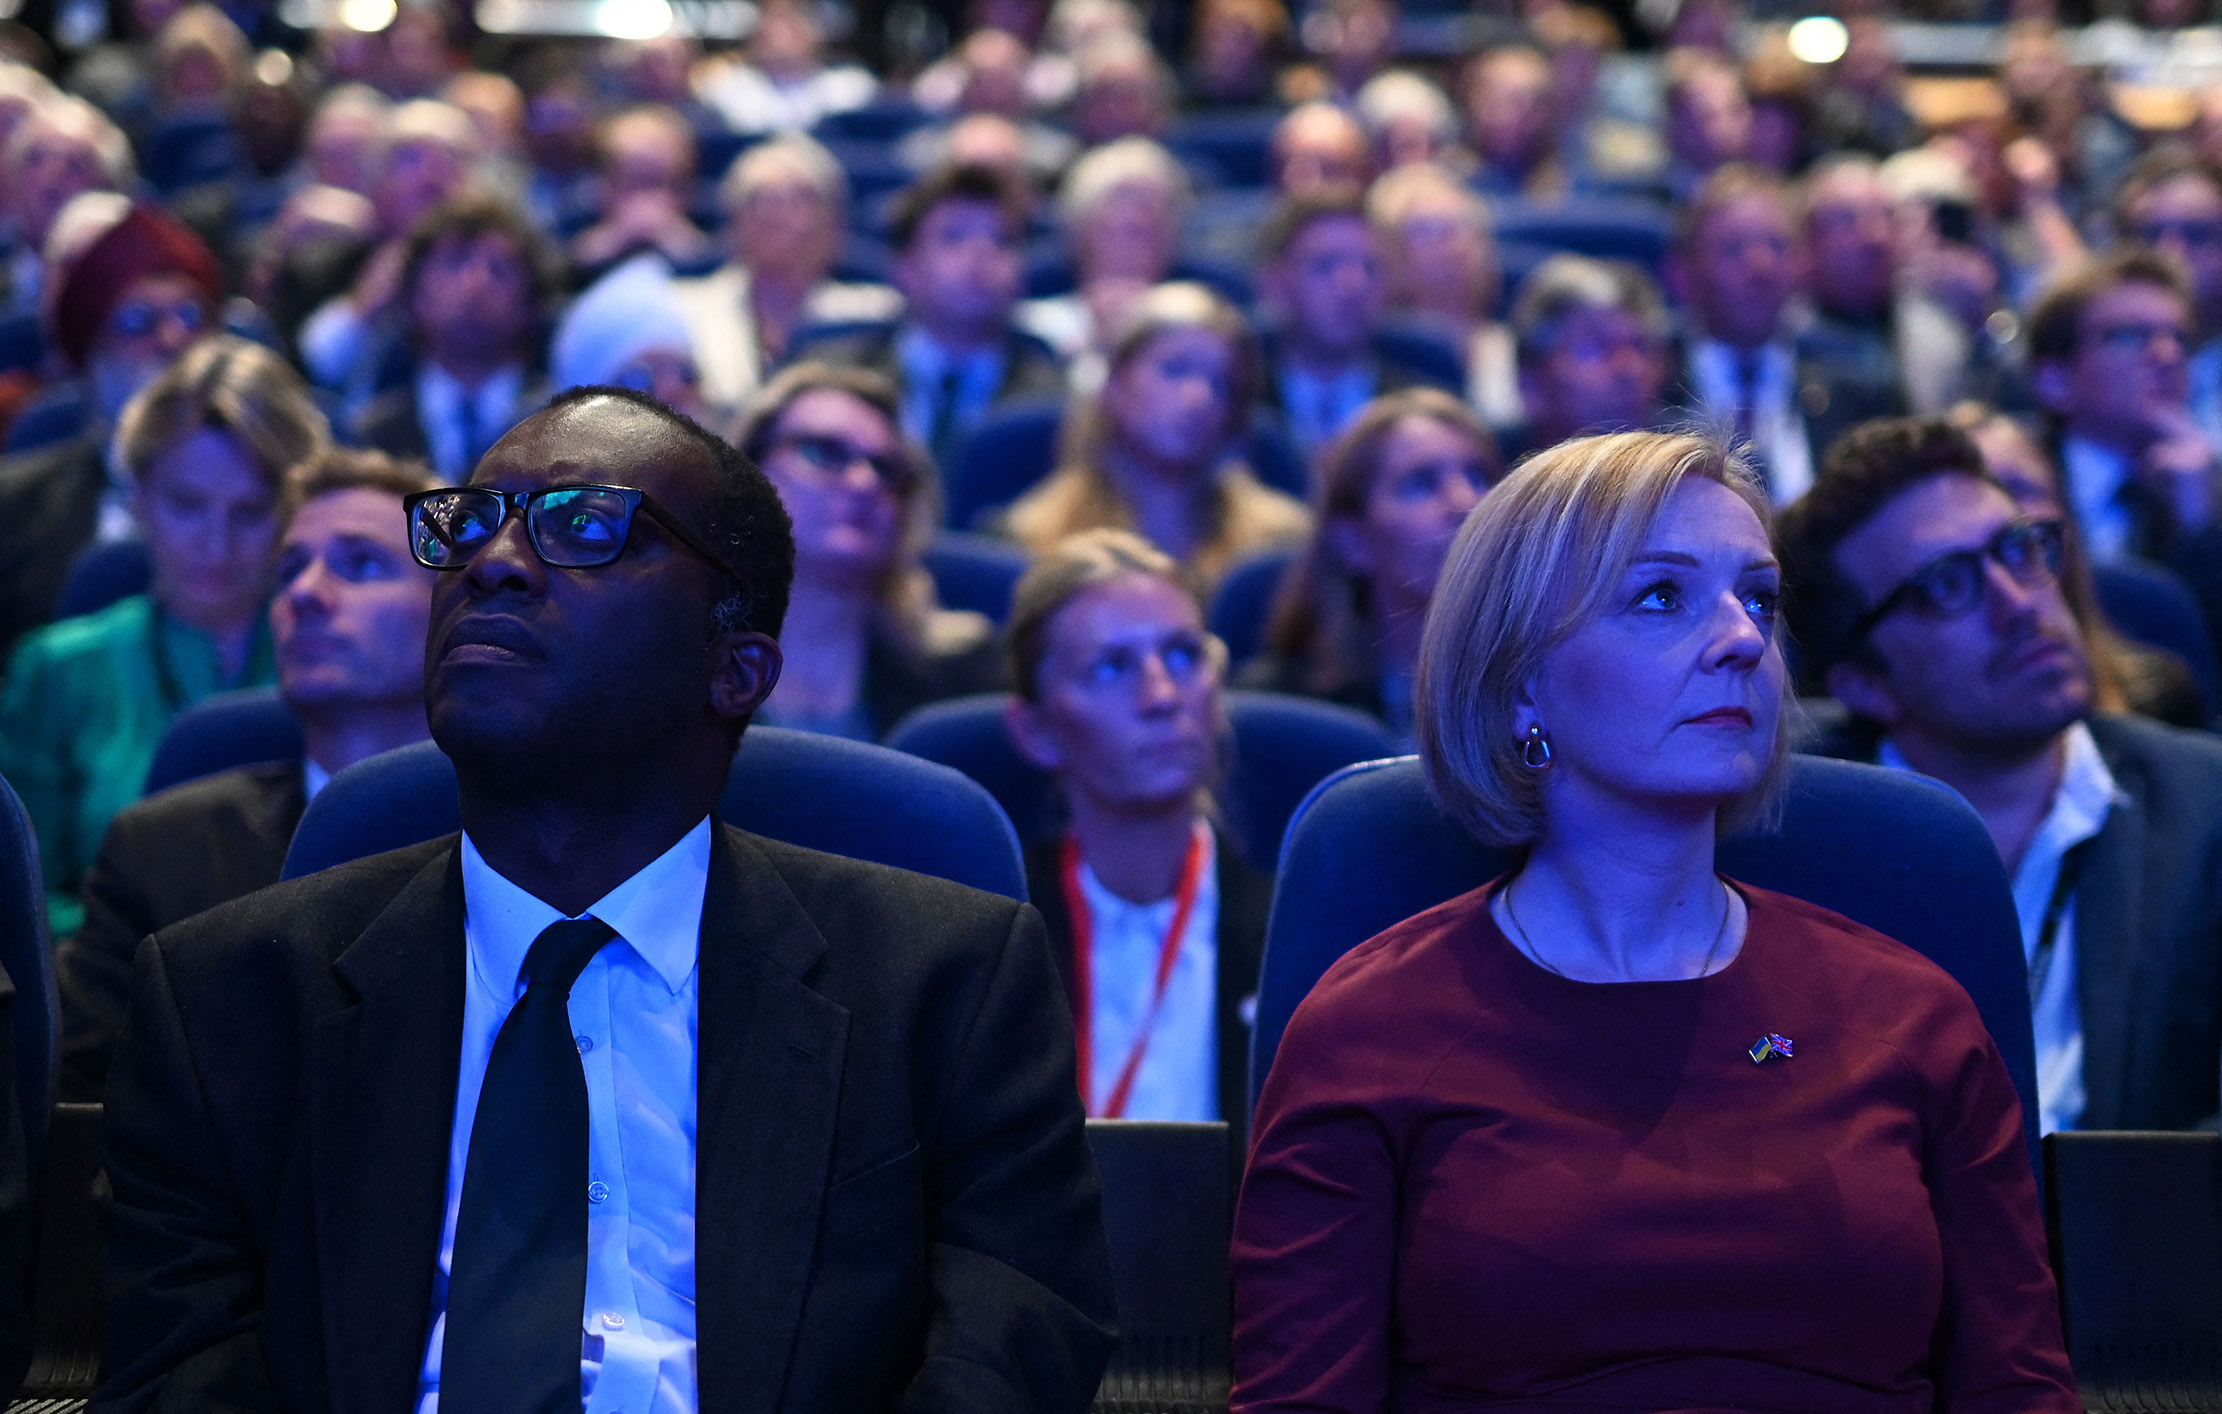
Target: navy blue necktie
x,y
516,1293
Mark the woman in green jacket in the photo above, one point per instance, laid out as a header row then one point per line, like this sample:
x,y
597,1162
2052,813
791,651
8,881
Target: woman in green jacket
x,y
206,446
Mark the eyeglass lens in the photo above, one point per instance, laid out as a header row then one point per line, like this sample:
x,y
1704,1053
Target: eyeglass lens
x,y
831,455
572,527
1953,583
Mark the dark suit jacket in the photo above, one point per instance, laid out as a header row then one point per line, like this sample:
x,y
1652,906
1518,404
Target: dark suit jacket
x,y
49,508
2148,927
896,1206
1390,373
165,858
392,424
1030,368
1831,396
1245,897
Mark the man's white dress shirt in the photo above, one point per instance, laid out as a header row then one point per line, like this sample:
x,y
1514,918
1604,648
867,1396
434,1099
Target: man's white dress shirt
x,y
2080,803
634,1011
1778,430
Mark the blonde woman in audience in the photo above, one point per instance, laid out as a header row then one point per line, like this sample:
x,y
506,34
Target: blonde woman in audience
x,y
1118,697
1393,490
866,639
1122,206
1158,449
1613,1132
207,446
1440,257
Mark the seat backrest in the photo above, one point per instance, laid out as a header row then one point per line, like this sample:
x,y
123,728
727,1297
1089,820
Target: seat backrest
x,y
1242,607
35,1014
217,733
820,792
102,575
976,572
1889,849
2136,1226
2150,604
1000,459
1282,747
1168,1212
55,413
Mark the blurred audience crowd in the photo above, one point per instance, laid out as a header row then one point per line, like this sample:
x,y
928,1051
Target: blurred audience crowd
x,y
1257,303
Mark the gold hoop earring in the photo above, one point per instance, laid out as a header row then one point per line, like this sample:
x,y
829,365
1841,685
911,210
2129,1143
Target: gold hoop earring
x,y
1535,751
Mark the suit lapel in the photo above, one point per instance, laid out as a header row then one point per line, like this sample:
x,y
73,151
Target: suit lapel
x,y
2107,923
382,1108
771,1054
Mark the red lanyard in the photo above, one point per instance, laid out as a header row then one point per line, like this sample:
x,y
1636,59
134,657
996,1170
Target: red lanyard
x,y
1083,957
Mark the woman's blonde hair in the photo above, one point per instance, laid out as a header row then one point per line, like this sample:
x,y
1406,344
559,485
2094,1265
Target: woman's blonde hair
x,y
1072,567
1081,495
905,595
1543,555
233,385
1325,619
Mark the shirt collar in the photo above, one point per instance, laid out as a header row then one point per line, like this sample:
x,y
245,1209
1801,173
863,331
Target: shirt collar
x,y
314,778
439,392
2096,475
924,360
2087,790
658,912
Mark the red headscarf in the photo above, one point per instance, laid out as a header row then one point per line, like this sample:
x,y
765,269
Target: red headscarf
x,y
147,241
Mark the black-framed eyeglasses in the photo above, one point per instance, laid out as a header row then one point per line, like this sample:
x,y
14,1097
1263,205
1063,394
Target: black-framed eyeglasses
x,y
572,527
1952,583
830,456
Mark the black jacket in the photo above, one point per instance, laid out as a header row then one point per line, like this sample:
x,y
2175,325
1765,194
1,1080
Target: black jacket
x,y
895,1200
2148,927
49,509
165,858
1245,898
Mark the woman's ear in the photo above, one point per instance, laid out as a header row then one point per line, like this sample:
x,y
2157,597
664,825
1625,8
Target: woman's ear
x,y
1031,734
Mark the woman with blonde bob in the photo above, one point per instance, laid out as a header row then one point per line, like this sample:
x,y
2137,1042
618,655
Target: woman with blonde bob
x,y
1612,1132
1159,449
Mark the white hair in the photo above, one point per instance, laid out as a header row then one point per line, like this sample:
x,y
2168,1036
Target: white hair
x,y
789,154
1401,94
1125,162
68,115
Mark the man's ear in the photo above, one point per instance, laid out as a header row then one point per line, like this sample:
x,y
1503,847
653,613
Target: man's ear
x,y
1031,735
744,672
1864,693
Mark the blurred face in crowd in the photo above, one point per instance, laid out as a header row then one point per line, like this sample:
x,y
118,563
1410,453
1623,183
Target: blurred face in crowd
x,y
2021,466
352,605
1603,371
1234,50
2182,217
1131,233
1670,699
1171,403
1743,265
2130,366
2004,676
472,300
344,147
153,321
995,66
211,518
839,467
658,70
1430,475
496,109
1328,284
1709,119
785,228
559,126
1851,233
419,174
646,154
1441,258
961,271
59,162
671,375
1319,145
785,44
1128,711
1123,97
1509,108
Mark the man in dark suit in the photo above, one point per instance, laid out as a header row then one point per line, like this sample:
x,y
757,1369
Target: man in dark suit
x,y
1591,337
1325,356
476,277
955,353
1745,365
1933,610
348,622
126,304
601,1098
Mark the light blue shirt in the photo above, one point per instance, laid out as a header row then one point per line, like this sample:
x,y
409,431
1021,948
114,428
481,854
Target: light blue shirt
x,y
1778,430
1178,1078
2096,477
926,367
2080,804
635,1012
1315,409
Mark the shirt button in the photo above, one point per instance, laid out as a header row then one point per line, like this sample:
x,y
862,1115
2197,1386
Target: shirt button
x,y
597,1191
585,1043
614,1321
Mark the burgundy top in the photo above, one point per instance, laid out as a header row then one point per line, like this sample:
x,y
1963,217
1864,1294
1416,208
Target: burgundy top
x,y
1475,1184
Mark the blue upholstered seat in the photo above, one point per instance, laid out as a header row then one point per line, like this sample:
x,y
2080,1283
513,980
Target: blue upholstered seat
x,y
217,733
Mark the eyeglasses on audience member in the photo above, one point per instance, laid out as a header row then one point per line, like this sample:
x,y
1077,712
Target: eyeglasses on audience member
x,y
830,456
570,527
1952,583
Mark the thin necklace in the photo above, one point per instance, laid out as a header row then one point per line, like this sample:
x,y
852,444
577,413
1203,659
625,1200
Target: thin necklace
x,y
1527,944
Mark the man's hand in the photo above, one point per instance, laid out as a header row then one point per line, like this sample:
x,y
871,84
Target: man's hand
x,y
2179,468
